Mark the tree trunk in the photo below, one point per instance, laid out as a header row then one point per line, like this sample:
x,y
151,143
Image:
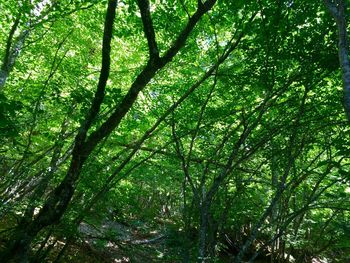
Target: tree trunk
x,y
338,11
11,55
203,232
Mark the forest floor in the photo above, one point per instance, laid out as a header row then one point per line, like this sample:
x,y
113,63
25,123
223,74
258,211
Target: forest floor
x,y
134,241
116,242
139,243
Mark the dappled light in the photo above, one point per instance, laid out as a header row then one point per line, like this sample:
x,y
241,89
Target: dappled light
x,y
174,131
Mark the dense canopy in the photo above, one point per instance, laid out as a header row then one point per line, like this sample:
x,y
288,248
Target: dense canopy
x,y
174,131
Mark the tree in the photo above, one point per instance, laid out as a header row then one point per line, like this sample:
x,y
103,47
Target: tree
x,y
218,124
60,197
337,10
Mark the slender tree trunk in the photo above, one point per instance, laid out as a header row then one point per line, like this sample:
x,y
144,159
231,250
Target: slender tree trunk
x,y
5,65
203,230
11,56
186,218
338,11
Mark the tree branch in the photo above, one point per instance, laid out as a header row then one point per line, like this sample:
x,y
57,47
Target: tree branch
x,y
148,28
104,73
181,39
142,80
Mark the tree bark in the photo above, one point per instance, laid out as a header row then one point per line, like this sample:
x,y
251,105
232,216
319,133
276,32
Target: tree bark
x,y
13,48
337,9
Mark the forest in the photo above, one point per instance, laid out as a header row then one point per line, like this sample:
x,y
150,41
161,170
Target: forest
x,y
174,131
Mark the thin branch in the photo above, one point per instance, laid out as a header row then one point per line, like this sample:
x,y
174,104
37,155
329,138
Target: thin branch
x,y
182,37
142,80
148,28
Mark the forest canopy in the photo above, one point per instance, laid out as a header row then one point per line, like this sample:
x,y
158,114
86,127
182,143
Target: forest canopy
x,y
174,131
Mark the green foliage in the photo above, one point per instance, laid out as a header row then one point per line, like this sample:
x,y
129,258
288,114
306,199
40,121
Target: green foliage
x,y
258,149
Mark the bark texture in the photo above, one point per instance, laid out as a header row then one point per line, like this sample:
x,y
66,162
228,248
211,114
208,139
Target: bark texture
x,y
12,51
337,8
